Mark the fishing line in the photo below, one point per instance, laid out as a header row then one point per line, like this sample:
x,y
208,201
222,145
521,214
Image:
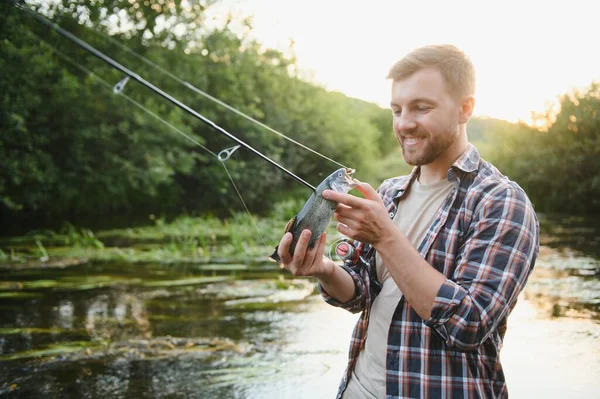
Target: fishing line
x,y
244,203
206,95
156,90
146,110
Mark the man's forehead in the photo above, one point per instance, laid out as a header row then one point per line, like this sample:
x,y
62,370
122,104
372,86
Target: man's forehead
x,y
423,84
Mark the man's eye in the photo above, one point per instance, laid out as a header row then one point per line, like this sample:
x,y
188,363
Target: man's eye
x,y
423,109
396,112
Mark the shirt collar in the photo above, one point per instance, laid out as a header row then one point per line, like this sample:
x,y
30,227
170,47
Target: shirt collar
x,y
406,182
467,162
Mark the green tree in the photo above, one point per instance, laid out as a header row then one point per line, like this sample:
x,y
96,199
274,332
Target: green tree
x,y
71,150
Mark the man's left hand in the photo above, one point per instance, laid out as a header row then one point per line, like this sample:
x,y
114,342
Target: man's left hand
x,y
362,219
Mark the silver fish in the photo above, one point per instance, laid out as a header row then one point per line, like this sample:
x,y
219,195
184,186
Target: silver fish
x,y
317,211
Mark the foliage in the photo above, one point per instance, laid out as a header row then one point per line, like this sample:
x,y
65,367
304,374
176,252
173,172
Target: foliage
x,y
185,239
287,209
79,237
71,150
559,167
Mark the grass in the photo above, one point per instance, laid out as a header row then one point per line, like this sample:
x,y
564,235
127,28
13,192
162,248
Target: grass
x,y
51,350
202,240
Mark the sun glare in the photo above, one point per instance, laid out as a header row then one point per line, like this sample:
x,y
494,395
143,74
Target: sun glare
x,y
526,53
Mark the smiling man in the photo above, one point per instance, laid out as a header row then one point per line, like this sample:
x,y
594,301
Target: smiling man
x,y
447,249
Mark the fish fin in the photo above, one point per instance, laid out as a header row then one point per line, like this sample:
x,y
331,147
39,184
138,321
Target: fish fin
x,y
275,256
290,224
288,227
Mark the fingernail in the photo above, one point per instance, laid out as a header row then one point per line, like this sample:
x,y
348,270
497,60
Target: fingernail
x,y
325,194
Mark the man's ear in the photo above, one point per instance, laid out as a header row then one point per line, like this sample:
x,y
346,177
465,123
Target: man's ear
x,y
466,109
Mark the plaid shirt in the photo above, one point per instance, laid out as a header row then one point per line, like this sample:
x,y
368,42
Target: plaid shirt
x,y
484,239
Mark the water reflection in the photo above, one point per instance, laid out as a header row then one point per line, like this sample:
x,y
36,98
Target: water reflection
x,y
65,314
575,233
566,281
118,316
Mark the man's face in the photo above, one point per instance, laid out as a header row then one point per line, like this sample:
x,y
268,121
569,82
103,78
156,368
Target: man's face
x,y
426,116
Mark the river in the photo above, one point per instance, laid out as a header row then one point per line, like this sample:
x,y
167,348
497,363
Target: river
x,y
152,330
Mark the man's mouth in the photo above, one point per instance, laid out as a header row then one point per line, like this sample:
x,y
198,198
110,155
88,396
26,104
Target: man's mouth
x,y
412,141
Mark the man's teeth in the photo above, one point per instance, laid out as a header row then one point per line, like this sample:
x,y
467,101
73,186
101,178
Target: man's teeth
x,y
413,140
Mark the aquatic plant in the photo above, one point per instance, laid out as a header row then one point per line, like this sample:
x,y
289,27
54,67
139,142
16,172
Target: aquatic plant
x,y
44,257
80,237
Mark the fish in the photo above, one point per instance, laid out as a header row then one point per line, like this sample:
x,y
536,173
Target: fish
x,y
317,211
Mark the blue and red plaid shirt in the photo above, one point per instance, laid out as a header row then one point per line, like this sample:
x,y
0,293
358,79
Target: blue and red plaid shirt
x,y
485,240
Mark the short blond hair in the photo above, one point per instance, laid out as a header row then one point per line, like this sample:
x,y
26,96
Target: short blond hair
x,y
454,65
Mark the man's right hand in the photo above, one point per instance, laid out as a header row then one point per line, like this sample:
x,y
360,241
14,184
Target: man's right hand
x,y
306,262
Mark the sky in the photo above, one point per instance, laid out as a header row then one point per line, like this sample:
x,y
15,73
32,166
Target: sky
x,y
526,53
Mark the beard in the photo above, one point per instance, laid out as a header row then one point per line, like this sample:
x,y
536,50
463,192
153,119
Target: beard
x,y
430,149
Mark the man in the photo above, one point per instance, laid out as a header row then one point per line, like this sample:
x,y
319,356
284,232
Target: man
x,y
447,249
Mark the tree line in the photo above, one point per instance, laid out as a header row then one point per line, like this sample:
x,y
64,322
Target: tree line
x,y
559,166
72,150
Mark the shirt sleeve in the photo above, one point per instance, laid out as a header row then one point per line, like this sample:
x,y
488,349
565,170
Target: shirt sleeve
x,y
358,271
357,303
496,259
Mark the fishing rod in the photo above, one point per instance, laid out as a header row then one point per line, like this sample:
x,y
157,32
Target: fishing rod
x,y
196,90
164,122
156,90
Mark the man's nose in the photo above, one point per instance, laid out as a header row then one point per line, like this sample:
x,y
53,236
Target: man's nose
x,y
404,123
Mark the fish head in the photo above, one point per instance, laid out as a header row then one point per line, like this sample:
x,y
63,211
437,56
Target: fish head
x,y
341,180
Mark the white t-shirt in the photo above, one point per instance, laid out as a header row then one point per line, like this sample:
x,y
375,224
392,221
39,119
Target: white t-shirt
x,y
416,213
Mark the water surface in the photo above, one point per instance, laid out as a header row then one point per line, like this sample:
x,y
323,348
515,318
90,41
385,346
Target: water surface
x,y
122,330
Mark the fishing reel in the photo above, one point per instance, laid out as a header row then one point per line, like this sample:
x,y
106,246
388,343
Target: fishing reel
x,y
348,250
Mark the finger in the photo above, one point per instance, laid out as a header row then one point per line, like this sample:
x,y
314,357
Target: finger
x,y
310,257
284,248
315,254
347,212
368,191
345,230
301,246
353,224
343,209
321,247
343,198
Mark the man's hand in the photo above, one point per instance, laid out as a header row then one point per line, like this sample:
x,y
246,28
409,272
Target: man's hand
x,y
365,220
305,262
